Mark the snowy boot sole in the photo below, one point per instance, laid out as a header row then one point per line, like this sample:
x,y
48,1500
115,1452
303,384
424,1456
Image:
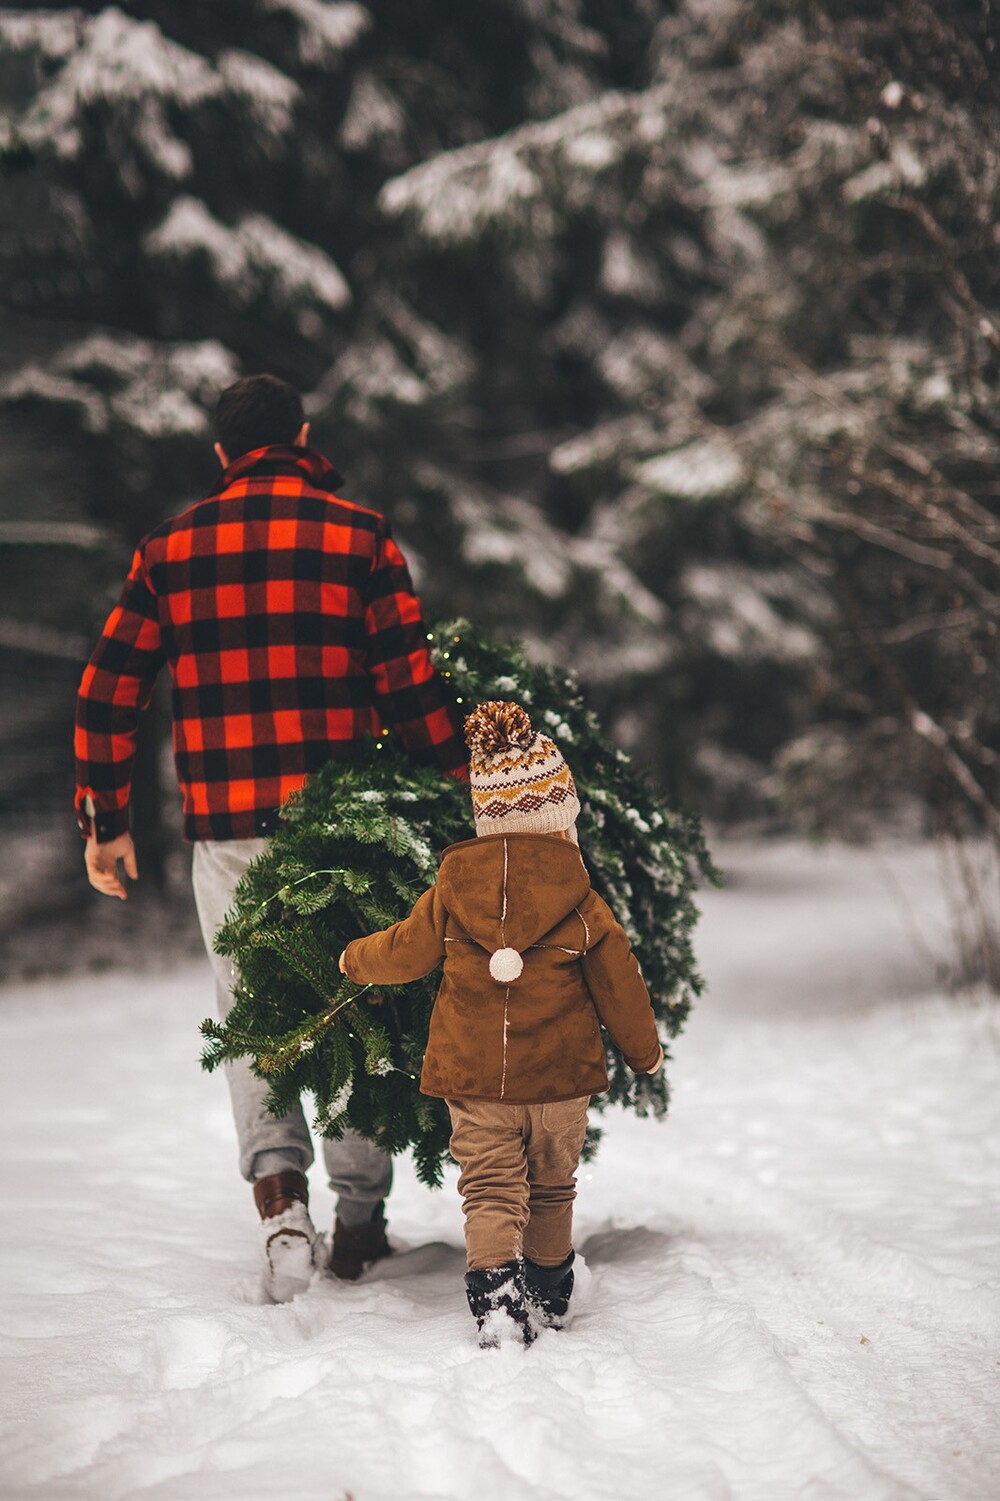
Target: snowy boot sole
x,y
289,1253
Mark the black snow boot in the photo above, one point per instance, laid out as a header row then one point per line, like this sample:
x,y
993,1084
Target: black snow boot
x,y
496,1298
547,1291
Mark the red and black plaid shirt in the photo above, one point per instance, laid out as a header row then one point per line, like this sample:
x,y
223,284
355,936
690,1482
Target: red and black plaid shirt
x,y
288,621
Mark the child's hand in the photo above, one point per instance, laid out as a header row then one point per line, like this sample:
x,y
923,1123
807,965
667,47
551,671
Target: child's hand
x,y
340,963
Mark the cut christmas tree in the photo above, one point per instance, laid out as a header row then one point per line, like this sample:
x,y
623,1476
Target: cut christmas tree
x,y
357,847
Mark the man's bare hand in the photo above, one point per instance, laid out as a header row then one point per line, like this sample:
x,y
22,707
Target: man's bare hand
x,y
102,865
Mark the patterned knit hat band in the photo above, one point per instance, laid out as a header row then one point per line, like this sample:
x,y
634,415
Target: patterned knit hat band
x,y
520,782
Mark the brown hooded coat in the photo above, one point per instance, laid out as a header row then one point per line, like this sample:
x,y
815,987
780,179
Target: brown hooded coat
x,y
536,1038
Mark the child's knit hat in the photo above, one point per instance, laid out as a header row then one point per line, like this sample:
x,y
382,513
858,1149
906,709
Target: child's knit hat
x,y
520,782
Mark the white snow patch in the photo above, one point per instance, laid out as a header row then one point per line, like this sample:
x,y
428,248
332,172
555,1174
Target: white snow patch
x,y
903,169
270,96
830,148
372,115
458,204
118,59
325,29
35,383
458,194
705,470
341,1100
372,372
161,390
636,653
626,271
254,258
160,413
592,149
737,236
738,619
419,848
640,362
748,185
507,530
558,726
135,74
53,34
324,1119
441,361
607,444
103,353
407,362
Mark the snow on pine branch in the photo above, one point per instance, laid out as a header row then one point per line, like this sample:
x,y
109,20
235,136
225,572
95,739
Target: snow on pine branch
x,y
458,194
737,610
402,360
705,470
370,376
531,173
133,72
510,531
443,362
861,402
325,31
253,259
33,382
534,173
159,390
507,531
268,96
53,34
603,445
372,115
114,59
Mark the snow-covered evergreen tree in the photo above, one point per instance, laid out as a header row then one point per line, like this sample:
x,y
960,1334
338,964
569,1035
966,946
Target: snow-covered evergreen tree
x,y
609,306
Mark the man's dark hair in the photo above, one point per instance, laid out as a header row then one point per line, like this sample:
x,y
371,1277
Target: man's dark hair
x,y
256,411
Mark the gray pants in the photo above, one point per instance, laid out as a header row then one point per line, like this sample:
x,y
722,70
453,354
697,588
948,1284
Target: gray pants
x,y
360,1173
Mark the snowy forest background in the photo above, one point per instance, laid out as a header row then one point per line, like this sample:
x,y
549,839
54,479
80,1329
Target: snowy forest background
x,y
667,335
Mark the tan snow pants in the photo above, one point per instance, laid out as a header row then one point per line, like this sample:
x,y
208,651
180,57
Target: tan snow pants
x,y
518,1178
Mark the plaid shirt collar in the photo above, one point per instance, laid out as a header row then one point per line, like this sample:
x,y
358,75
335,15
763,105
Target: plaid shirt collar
x,y
284,458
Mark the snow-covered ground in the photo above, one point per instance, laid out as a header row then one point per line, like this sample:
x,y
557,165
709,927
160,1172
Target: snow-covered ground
x,y
790,1287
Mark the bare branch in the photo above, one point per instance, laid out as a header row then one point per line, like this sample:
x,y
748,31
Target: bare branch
x,y
928,729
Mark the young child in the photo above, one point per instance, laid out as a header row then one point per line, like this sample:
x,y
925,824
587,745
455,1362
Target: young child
x,y
533,962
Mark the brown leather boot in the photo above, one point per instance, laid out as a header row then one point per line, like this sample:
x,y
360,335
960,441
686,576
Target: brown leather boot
x,y
279,1191
355,1246
288,1236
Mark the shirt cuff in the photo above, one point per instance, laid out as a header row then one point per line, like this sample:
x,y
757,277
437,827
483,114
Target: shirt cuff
x,y
107,824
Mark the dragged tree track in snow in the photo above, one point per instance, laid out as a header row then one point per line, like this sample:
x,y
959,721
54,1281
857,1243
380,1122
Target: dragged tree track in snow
x,y
790,1289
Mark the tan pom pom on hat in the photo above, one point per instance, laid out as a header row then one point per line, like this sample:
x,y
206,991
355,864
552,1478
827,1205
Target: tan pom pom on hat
x,y
520,782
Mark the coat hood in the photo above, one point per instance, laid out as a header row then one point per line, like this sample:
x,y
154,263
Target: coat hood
x,y
509,890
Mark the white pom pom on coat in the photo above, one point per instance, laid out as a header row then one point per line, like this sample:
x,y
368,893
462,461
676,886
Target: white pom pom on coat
x,y
505,965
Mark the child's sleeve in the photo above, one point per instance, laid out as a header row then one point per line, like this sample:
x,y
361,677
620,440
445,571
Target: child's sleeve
x,y
618,990
406,951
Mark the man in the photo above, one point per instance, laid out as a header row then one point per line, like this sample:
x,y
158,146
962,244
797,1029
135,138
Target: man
x,y
287,619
